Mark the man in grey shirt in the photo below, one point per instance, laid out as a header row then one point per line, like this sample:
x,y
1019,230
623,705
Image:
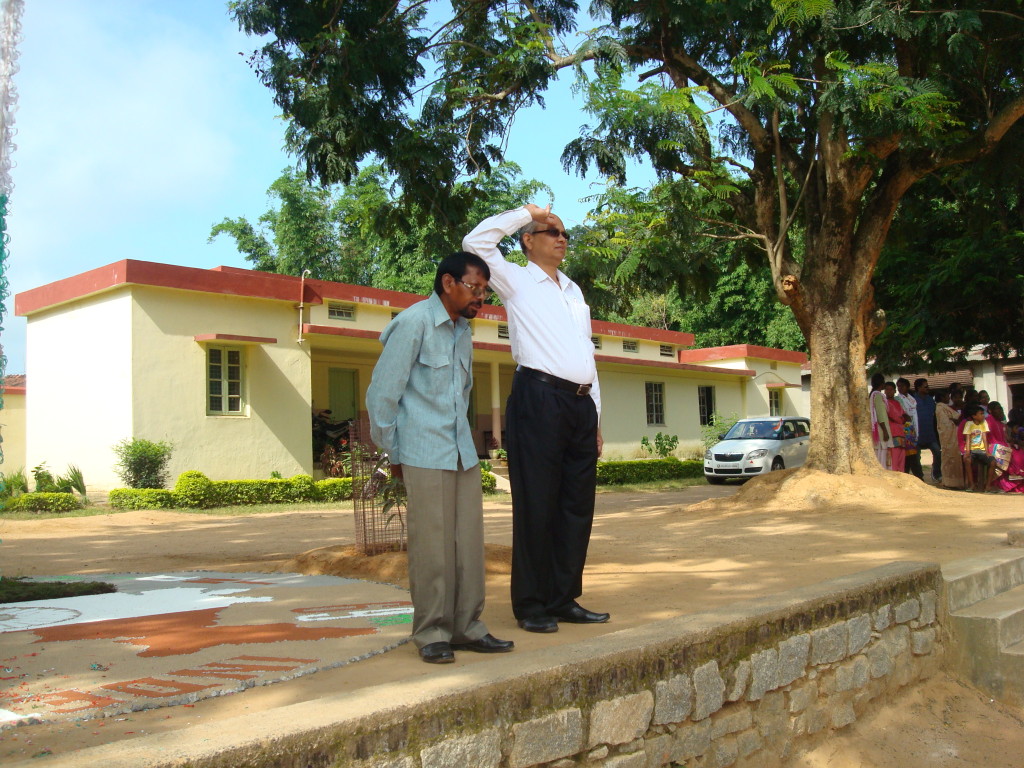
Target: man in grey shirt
x,y
418,402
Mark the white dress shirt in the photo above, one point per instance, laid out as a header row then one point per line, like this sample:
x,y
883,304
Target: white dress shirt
x,y
549,322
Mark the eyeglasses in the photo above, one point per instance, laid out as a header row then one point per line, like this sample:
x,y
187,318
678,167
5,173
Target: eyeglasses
x,y
553,233
477,290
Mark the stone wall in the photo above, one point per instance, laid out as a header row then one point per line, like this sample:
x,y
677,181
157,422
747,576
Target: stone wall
x,y
742,686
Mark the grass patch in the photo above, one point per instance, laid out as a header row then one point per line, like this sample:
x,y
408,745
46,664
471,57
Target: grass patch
x,y
674,484
18,590
90,511
259,509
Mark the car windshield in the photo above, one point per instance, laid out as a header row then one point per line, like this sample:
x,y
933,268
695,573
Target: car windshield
x,y
747,430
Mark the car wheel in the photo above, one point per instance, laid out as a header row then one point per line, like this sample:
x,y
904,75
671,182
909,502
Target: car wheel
x,y
714,480
778,463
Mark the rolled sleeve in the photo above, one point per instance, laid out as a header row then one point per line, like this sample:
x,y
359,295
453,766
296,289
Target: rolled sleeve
x,y
483,241
390,377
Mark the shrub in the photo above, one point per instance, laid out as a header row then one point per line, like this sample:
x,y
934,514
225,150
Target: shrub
x,y
44,502
303,488
646,470
142,463
334,489
196,490
488,482
141,498
13,484
719,426
663,445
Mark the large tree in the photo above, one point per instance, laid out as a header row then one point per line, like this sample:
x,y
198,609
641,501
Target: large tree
x,y
823,115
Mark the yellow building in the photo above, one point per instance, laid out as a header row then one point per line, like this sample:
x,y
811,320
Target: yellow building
x,y
12,424
227,364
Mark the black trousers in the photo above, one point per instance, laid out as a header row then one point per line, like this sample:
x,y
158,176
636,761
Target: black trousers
x,y
552,467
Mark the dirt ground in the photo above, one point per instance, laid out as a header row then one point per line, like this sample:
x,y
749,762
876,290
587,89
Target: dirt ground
x,y
652,556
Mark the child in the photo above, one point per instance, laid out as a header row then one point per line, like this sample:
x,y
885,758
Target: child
x,y
976,448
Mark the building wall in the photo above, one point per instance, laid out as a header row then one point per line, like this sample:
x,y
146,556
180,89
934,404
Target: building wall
x,y
12,429
79,403
169,372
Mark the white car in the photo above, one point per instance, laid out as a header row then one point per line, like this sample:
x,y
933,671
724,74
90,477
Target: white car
x,y
756,446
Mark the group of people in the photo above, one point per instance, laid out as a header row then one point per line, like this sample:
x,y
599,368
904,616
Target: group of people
x,y
974,443
418,401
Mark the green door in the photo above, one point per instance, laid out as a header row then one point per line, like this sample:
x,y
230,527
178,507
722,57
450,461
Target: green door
x,y
341,390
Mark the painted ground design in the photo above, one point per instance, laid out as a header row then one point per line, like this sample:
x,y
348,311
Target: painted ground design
x,y
172,638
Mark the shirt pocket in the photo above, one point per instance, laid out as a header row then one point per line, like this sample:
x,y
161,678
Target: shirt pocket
x,y
433,359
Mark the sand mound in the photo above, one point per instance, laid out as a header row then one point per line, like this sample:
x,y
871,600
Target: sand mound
x,y
810,489
389,567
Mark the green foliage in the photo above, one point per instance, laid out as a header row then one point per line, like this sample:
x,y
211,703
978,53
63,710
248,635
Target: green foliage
x,y
488,482
646,470
709,433
45,501
13,484
142,463
334,489
142,498
501,454
663,444
196,490
20,590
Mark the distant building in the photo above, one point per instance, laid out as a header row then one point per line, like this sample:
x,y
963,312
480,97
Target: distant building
x,y
227,365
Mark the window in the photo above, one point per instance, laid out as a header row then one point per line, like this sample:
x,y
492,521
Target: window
x,y
336,311
630,345
667,350
655,396
706,404
223,381
502,331
596,341
774,402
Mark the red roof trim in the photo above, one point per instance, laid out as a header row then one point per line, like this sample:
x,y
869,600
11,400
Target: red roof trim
x,y
14,390
234,337
674,366
781,385
330,330
492,347
741,350
635,331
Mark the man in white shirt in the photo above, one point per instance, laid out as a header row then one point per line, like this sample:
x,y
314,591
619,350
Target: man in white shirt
x,y
912,465
552,417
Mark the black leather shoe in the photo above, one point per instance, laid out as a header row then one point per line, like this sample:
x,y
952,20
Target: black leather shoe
x,y
437,653
577,614
539,624
486,644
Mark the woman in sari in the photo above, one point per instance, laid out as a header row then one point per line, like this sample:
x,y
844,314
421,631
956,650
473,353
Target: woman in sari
x,y
1006,483
879,421
999,446
946,419
897,418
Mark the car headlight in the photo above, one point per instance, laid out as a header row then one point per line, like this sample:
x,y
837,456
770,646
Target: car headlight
x,y
707,455
760,453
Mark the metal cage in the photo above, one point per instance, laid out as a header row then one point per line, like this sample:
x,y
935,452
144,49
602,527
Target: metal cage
x,y
378,498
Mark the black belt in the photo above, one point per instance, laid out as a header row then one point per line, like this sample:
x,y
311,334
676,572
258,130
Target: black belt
x,y
547,378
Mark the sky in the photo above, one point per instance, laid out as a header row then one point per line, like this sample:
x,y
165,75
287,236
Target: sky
x,y
140,125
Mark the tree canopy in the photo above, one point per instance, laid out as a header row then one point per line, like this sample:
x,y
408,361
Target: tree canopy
x,y
797,125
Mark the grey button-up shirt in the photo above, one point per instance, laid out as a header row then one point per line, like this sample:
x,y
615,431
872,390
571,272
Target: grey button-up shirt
x,y
418,399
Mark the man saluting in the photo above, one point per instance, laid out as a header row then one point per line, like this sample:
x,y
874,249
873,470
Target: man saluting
x,y
417,402
552,417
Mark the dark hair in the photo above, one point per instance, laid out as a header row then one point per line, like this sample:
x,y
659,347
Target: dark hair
x,y
973,409
456,265
891,384
527,229
901,380
918,383
877,381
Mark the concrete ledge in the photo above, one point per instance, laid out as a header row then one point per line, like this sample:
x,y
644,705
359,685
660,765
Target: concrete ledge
x,y
762,674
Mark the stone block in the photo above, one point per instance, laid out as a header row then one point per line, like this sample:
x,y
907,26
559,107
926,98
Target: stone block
x,y
810,721
547,738
724,753
733,720
565,762
764,673
749,742
906,611
842,714
709,690
828,644
853,674
793,655
478,749
635,760
801,697
618,721
771,717
880,659
599,753
859,633
736,681
673,700
898,639
659,750
882,618
692,740
393,762
928,604
922,642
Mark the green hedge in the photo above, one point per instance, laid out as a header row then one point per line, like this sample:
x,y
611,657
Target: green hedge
x,y
142,498
44,502
647,470
487,481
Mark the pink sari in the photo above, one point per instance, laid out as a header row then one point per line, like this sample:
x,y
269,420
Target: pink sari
x,y
899,443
